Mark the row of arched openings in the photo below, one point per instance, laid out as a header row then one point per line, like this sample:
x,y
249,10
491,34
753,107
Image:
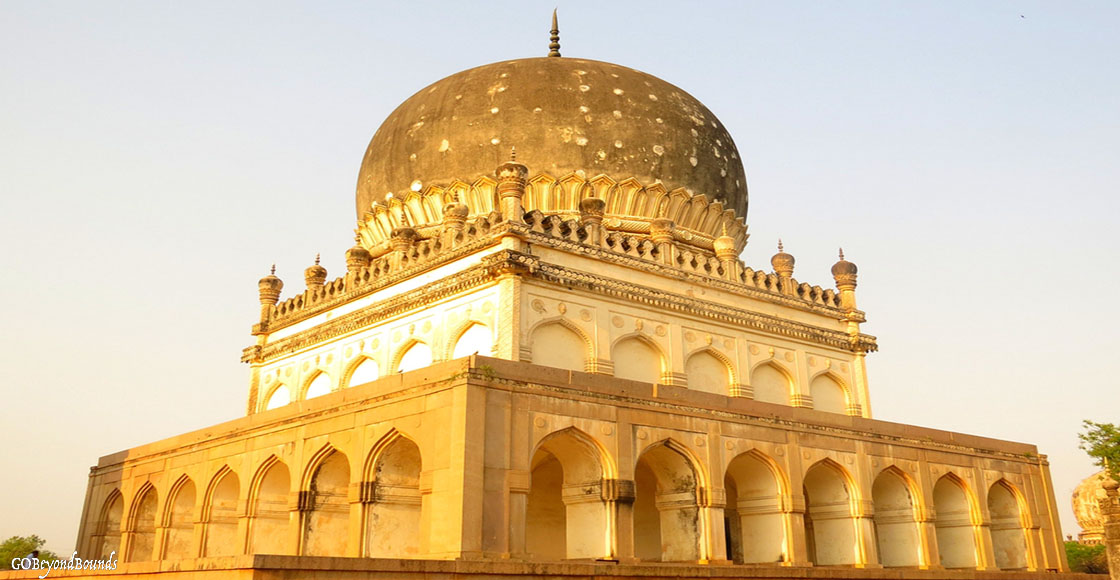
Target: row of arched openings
x,y
566,519
568,511
636,357
390,506
475,339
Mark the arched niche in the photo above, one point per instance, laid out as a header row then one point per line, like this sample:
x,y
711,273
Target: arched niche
x,y
417,356
896,528
394,512
219,518
476,339
830,525
179,536
753,518
638,359
109,525
566,516
143,525
955,523
828,395
708,373
770,384
269,511
279,397
555,345
365,370
320,385
326,512
1008,539
667,524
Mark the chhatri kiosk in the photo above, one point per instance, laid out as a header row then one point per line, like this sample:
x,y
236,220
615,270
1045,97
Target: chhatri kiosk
x,y
551,361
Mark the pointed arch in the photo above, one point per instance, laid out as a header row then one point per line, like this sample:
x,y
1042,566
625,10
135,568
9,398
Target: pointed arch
x,y
279,396
414,354
709,370
269,512
108,538
771,382
831,504
567,515
1007,509
363,369
896,503
317,385
324,504
219,514
469,338
956,522
551,346
756,521
178,520
638,357
667,518
142,524
394,518
830,393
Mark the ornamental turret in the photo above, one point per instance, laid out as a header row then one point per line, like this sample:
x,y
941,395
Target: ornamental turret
x,y
783,267
315,275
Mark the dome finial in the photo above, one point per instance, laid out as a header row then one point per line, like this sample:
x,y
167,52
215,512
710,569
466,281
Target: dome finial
x,y
841,253
554,46
273,272
316,259
780,248
513,153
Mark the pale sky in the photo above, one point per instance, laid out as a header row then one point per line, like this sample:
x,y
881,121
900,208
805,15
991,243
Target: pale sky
x,y
156,157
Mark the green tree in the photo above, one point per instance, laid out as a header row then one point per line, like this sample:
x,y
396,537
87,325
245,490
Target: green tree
x,y
1102,442
21,546
1085,558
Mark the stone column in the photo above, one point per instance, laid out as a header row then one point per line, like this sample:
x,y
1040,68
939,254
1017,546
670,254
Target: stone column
x,y
400,241
512,178
1110,513
591,212
661,232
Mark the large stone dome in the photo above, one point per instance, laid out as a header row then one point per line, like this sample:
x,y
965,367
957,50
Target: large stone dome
x,y
563,115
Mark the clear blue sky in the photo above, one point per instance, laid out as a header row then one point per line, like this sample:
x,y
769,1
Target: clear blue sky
x,y
155,158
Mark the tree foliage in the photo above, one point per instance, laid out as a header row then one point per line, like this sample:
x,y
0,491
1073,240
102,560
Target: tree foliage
x,y
1086,559
1102,442
22,546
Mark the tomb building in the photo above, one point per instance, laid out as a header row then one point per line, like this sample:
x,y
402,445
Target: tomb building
x,y
545,351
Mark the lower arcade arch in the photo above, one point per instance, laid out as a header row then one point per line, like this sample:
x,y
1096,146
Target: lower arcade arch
x,y
324,506
896,527
667,521
142,525
178,534
755,523
955,523
268,509
393,506
1009,542
566,516
108,538
831,534
219,515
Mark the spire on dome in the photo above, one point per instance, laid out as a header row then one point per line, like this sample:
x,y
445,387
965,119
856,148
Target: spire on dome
x,y
554,46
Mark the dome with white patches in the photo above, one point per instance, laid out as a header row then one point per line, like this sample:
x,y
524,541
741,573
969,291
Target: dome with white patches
x,y
564,116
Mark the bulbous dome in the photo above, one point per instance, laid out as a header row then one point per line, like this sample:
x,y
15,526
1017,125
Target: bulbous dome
x,y
563,115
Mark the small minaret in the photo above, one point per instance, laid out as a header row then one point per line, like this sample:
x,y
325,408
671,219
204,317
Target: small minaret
x,y
844,272
728,256
783,267
400,240
591,210
357,257
454,219
512,178
269,288
315,276
661,232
